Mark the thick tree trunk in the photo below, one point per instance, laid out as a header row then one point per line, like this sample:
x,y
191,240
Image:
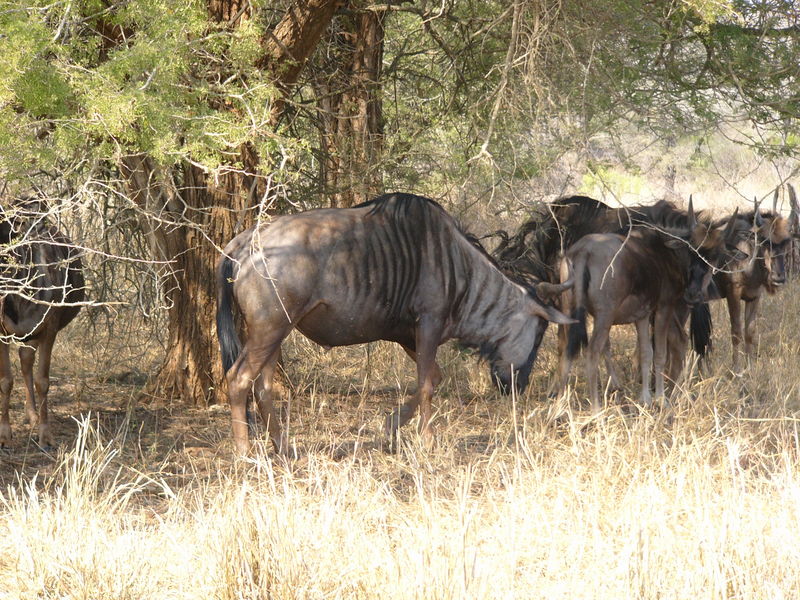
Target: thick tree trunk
x,y
187,226
351,110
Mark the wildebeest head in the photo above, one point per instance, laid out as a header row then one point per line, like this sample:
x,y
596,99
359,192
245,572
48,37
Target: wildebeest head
x,y
512,357
766,237
18,214
706,247
774,239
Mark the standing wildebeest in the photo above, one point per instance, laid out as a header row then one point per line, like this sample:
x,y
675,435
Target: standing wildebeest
x,y
763,241
539,244
396,268
43,286
650,274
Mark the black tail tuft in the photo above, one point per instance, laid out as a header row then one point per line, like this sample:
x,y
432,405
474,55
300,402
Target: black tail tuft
x,y
226,327
700,327
576,336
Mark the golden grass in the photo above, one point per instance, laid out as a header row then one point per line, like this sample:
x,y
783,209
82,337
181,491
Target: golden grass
x,y
519,498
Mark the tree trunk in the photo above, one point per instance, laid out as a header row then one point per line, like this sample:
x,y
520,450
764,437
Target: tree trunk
x,y
351,111
187,226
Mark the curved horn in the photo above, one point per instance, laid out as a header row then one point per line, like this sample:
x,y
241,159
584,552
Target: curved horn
x,y
692,219
548,291
731,226
794,213
758,221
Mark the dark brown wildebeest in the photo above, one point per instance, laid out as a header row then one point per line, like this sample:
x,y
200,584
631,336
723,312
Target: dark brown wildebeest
x,y
648,275
396,268
43,288
539,244
764,241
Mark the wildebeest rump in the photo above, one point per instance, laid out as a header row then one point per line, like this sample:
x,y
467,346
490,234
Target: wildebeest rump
x,y
43,286
396,268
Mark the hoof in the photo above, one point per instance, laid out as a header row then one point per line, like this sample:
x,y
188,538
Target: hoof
x,y
5,435
45,438
396,419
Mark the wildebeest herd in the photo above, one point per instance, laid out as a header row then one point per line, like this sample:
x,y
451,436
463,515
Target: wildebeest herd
x,y
399,268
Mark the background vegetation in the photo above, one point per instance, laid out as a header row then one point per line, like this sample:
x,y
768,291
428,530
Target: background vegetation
x,y
156,130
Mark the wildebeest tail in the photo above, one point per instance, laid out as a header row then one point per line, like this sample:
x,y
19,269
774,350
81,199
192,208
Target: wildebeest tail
x,y
576,333
229,343
700,327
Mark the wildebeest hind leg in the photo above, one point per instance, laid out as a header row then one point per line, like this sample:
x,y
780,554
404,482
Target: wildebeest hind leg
x,y
645,358
260,348
6,383
600,336
266,407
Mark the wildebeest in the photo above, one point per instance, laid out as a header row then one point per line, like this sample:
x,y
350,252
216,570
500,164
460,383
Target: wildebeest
x,y
764,242
648,274
396,268
539,244
43,286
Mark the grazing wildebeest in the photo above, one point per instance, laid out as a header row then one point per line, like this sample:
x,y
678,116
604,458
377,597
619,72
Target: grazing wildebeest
x,y
764,241
43,286
396,268
648,274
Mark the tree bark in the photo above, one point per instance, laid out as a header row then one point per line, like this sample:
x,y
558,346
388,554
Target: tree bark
x,y
351,111
188,224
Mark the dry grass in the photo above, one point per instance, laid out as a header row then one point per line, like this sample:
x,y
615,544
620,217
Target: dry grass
x,y
519,498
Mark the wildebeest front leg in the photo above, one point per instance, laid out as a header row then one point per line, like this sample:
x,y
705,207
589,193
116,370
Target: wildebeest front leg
x,y
6,383
428,376
660,334
27,355
559,383
41,383
750,314
437,372
611,368
735,312
405,412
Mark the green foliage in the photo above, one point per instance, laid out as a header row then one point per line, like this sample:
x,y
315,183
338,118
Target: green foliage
x,y
606,179
175,85
481,92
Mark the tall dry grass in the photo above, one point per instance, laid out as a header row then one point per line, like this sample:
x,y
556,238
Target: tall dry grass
x,y
519,498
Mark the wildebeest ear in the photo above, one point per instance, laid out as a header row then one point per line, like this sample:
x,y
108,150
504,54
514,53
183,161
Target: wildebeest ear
x,y
551,314
675,244
735,253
